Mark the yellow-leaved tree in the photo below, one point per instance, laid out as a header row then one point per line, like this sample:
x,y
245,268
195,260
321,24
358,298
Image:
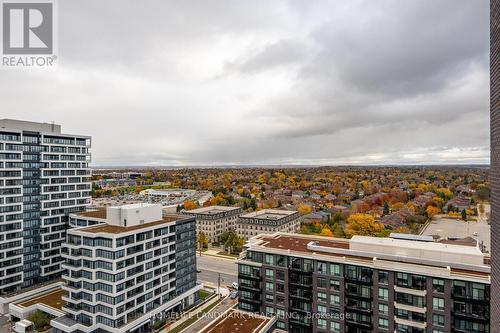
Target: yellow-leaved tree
x,y
362,224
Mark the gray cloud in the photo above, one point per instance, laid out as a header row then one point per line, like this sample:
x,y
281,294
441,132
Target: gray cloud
x,y
220,82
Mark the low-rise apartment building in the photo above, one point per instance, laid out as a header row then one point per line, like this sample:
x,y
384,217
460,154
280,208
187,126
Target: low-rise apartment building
x,y
268,221
214,221
130,264
365,284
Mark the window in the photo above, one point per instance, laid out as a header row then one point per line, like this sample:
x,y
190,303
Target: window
x,y
322,324
280,275
334,326
383,309
269,311
383,323
322,309
383,294
321,297
269,259
321,283
383,277
269,286
438,319
438,303
437,331
269,298
322,267
269,273
438,285
335,285
335,269
335,299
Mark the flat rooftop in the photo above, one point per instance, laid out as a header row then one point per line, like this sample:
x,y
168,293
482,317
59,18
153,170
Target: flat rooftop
x,y
235,321
269,214
52,299
212,210
462,258
99,214
116,229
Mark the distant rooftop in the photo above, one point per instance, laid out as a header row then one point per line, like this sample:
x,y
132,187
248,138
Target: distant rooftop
x,y
211,210
269,214
29,126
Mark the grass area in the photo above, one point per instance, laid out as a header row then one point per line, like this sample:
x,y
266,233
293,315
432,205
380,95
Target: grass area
x,y
191,320
224,253
203,294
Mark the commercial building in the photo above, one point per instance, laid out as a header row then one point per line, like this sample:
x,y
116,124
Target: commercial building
x,y
495,161
214,221
268,221
365,284
44,176
131,264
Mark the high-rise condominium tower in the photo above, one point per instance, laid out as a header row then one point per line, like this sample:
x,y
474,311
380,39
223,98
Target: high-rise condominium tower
x,y
44,176
495,162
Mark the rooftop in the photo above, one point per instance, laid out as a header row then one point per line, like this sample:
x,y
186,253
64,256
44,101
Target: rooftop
x,y
98,214
458,256
30,126
269,214
212,210
116,229
235,321
52,299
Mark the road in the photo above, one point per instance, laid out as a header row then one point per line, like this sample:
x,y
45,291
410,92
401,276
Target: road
x,y
446,227
210,268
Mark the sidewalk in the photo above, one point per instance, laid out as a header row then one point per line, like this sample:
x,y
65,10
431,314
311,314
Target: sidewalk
x,y
190,314
214,252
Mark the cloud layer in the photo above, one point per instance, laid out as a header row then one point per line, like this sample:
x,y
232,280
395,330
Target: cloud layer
x,y
281,82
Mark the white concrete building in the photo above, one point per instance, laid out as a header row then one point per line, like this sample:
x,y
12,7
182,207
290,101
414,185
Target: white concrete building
x,y
44,176
268,221
213,221
131,265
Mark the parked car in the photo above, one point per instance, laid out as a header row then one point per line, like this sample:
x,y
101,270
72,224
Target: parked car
x,y
233,295
234,285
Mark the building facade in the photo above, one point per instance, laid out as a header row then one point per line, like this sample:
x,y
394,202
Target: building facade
x,y
214,221
365,284
495,161
44,176
268,221
137,265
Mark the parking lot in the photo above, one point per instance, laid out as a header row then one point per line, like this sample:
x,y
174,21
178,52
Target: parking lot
x,y
448,227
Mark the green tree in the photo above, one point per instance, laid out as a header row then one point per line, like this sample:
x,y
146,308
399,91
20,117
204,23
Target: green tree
x,y
464,215
386,208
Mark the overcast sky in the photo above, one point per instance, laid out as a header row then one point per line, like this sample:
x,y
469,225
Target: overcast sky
x,y
266,82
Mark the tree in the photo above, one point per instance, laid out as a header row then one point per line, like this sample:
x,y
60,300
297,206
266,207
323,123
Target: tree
x,y
326,232
304,209
464,215
362,224
189,205
432,211
202,240
40,319
386,208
